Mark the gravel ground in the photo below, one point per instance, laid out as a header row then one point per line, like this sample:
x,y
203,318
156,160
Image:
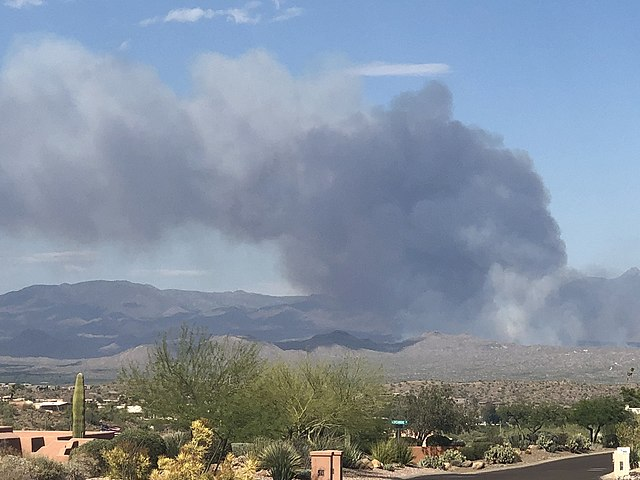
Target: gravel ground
x,y
536,456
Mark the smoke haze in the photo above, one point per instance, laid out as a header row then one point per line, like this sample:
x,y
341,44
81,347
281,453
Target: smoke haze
x,y
410,219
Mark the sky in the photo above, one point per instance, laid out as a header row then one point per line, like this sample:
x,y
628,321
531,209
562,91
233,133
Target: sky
x,y
105,104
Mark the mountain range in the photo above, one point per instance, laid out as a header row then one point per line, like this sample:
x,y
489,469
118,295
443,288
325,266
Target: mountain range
x,y
52,331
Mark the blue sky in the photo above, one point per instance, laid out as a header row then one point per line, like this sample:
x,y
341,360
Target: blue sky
x,y
558,80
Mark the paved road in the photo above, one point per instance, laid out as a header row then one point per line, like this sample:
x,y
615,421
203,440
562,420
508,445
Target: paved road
x,y
588,467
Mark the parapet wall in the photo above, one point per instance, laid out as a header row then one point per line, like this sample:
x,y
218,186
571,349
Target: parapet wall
x,y
56,445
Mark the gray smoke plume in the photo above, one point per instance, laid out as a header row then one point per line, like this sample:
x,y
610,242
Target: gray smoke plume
x,y
402,214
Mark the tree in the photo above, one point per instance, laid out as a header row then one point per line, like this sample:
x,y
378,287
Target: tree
x,y
628,434
489,414
595,413
530,418
433,409
196,377
343,398
630,396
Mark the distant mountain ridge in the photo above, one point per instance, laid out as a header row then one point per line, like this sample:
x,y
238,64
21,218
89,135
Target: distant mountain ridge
x,y
343,339
98,318
433,356
104,318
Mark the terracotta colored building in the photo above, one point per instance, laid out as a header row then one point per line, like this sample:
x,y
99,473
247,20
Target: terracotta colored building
x,y
56,445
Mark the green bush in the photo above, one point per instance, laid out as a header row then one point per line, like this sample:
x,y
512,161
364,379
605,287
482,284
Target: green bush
x,y
174,441
351,454
140,439
634,458
432,461
325,442
548,441
579,443
14,468
256,447
476,450
127,461
610,441
43,468
518,441
404,455
502,454
453,456
392,451
94,450
281,459
563,439
241,449
384,451
82,466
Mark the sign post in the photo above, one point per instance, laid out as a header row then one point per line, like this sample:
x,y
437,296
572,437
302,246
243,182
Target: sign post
x,y
400,425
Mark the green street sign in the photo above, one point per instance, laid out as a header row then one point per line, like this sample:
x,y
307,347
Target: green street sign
x,y
399,423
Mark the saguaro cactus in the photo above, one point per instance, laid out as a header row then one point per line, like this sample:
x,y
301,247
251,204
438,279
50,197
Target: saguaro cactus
x,y
78,407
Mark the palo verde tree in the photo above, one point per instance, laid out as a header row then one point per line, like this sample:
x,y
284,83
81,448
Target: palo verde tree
x,y
341,398
530,418
433,410
595,413
195,376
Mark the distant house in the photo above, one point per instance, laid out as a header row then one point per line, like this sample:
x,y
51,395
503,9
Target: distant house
x,y
51,405
633,410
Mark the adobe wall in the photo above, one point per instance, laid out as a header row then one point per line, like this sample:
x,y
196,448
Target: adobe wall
x,y
56,445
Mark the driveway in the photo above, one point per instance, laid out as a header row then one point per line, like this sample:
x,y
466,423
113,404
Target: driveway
x,y
587,467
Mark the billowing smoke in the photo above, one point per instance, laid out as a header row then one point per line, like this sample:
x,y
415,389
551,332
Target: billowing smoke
x,y
402,214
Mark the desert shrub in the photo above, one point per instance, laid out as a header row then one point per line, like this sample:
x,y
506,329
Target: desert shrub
x,y
14,468
174,441
324,441
432,461
476,450
127,462
351,454
303,475
82,466
241,449
501,454
43,468
519,441
610,440
281,459
94,450
304,447
578,443
563,439
233,468
140,439
392,451
246,469
256,447
191,462
548,441
452,455
404,455
384,451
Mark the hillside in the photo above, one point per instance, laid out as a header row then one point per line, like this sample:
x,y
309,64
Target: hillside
x,y
50,331
432,356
